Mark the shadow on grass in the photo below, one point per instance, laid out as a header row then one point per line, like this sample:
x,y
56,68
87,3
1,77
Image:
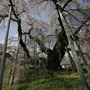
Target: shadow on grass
x,y
23,87
52,84
31,76
49,81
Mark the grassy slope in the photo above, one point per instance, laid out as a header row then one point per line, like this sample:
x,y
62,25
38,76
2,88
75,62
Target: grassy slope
x,y
51,81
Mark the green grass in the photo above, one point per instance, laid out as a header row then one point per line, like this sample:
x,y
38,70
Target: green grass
x,y
49,81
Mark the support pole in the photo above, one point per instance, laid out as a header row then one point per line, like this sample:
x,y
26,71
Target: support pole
x,y
25,44
83,58
13,66
75,57
34,54
5,48
70,59
80,52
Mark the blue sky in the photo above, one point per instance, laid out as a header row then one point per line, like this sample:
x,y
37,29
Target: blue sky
x,y
12,30
43,16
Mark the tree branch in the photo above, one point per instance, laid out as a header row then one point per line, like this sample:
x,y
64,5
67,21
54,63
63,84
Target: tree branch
x,y
21,41
66,4
20,32
79,28
40,43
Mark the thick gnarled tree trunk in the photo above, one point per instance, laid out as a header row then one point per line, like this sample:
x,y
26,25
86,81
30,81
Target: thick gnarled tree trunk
x,y
56,55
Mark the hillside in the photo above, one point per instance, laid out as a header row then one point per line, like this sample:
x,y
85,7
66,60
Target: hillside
x,y
65,80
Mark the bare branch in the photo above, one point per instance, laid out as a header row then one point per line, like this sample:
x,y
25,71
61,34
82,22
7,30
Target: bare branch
x,y
66,4
79,28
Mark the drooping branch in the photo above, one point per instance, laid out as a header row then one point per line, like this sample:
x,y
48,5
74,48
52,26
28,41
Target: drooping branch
x,y
39,42
20,31
21,41
2,17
